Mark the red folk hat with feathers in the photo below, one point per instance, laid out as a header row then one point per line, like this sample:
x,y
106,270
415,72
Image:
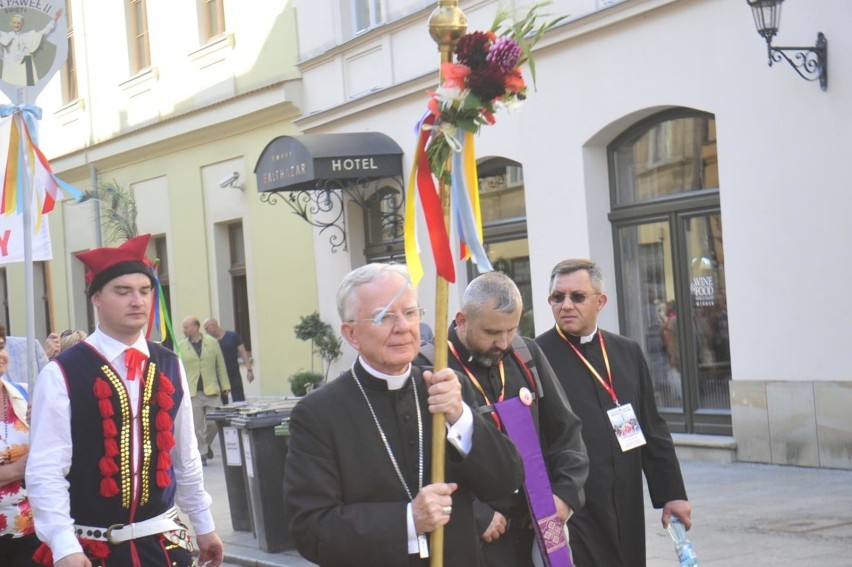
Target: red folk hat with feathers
x,y
106,264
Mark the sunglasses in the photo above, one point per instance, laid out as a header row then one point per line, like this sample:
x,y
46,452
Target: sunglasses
x,y
575,298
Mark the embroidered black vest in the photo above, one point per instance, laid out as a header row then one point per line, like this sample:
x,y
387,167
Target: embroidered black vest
x,y
101,478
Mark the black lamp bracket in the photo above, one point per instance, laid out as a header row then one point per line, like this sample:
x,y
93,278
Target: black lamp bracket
x,y
811,63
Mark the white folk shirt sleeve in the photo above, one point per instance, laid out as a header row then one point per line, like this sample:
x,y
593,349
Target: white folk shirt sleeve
x,y
49,461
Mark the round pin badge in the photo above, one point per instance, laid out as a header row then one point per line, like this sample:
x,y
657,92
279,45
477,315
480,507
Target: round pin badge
x,y
526,396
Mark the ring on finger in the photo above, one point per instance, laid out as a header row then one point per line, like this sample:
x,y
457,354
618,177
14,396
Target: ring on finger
x,y
447,510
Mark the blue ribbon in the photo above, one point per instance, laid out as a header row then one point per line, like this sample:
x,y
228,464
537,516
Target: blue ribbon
x,y
463,211
29,112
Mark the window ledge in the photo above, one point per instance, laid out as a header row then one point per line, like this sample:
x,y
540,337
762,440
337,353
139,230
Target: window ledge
x,y
213,51
140,82
71,109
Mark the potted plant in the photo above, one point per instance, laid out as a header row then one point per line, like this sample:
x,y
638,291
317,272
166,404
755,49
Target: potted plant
x,y
323,343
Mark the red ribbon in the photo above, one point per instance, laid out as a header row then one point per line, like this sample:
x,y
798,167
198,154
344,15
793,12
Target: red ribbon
x,y
432,210
133,360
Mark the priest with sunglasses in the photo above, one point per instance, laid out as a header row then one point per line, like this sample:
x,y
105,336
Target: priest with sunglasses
x,y
606,378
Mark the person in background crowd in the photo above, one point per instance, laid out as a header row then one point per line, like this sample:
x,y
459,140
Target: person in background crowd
x,y
52,345
500,365
357,485
207,378
113,450
16,347
18,541
608,383
233,350
69,338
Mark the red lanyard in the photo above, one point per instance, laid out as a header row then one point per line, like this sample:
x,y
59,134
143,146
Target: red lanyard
x,y
608,387
479,386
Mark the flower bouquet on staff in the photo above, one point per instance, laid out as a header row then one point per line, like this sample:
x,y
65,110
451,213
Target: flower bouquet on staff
x,y
486,77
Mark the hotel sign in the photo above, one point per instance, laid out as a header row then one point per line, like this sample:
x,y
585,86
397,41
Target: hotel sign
x,y
295,163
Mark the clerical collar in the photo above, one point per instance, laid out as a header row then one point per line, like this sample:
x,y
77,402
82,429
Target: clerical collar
x,y
393,382
588,338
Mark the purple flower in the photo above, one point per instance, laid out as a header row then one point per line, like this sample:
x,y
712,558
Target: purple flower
x,y
504,53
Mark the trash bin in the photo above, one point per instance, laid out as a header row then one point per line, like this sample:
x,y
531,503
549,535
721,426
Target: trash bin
x,y
264,455
232,461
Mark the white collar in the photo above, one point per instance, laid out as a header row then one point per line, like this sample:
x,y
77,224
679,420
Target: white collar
x,y
393,382
588,338
112,348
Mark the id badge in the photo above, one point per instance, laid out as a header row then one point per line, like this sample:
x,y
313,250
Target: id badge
x,y
626,427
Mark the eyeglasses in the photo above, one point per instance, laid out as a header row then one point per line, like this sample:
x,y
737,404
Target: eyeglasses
x,y
67,333
575,298
389,319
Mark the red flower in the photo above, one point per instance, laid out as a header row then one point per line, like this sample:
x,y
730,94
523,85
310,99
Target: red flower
x,y
454,75
515,82
487,83
472,48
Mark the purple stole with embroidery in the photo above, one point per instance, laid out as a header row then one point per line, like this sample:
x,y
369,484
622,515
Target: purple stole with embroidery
x,y
549,532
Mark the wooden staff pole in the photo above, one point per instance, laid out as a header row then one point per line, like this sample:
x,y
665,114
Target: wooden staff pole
x,y
48,291
447,25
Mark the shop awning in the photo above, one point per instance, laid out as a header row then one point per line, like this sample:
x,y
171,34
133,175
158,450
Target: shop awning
x,y
296,163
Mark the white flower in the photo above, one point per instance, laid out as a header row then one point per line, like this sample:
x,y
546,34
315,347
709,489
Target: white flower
x,y
512,105
449,97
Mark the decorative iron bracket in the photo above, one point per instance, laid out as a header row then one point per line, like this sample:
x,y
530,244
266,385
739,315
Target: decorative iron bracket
x,y
326,201
811,63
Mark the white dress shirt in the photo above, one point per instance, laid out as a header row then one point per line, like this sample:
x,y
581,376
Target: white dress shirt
x,y
51,448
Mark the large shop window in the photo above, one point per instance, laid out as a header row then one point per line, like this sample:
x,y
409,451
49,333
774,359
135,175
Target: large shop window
x,y
668,236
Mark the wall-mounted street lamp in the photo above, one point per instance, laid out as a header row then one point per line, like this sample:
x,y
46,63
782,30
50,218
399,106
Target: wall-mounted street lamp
x,y
811,63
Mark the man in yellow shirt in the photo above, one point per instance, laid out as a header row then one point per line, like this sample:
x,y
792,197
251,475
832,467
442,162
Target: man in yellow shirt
x,y
207,378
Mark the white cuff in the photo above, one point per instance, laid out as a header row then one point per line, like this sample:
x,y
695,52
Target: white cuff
x,y
413,546
460,434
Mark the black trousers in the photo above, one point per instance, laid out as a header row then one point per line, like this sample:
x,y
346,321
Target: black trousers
x,y
512,549
18,551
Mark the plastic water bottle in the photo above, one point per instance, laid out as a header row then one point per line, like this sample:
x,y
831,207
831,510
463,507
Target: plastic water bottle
x,y
684,548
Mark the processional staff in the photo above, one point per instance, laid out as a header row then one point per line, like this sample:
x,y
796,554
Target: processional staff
x,y
447,25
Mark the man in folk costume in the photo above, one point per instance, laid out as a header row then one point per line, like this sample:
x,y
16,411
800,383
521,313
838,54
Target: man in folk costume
x,y
484,346
112,442
357,478
607,381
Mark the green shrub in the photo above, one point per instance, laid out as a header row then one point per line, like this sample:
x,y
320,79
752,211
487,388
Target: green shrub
x,y
304,381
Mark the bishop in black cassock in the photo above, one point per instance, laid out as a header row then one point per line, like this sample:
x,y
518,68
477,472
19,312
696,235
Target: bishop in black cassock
x,y
357,484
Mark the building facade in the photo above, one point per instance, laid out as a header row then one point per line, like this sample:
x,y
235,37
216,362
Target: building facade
x,y
171,104
659,143
708,185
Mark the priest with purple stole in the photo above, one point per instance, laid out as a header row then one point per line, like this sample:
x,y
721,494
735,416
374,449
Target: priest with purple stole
x,y
112,446
516,389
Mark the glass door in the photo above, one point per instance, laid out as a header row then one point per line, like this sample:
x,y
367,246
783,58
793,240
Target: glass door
x,y
672,301
708,307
